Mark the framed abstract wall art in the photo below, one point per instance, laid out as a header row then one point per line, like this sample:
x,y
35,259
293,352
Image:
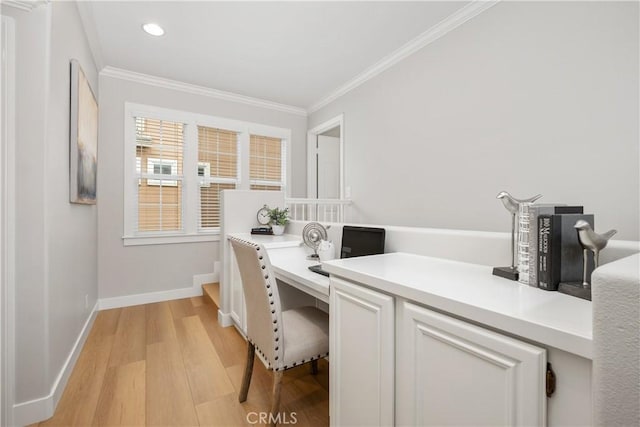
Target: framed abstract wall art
x,y
83,139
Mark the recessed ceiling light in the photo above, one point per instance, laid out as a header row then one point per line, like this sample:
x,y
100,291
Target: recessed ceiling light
x,y
153,29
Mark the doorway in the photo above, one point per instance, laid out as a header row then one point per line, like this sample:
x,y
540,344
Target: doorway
x,y
325,160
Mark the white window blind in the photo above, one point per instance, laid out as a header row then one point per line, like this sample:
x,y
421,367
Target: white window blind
x,y
217,171
266,163
160,150
177,164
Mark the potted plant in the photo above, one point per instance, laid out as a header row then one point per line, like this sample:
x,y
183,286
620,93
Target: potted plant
x,y
278,218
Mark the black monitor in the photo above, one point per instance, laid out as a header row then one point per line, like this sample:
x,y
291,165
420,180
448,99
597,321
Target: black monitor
x,y
361,241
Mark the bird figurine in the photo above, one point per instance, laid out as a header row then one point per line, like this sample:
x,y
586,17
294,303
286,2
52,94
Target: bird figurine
x,y
513,205
590,240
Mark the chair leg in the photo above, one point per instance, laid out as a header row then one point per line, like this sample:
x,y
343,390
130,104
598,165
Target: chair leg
x,y
314,367
248,370
275,397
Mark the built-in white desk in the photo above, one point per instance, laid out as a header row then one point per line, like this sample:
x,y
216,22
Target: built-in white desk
x,y
470,291
455,315
436,332
288,257
462,289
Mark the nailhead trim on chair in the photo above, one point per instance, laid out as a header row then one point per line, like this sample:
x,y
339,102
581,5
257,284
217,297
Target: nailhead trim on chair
x,y
284,368
275,321
271,302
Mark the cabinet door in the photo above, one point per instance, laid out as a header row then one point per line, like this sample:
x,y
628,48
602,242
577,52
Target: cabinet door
x,y
450,372
361,334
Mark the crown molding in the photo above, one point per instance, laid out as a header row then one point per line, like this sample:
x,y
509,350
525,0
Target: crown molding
x,y
118,73
449,23
26,5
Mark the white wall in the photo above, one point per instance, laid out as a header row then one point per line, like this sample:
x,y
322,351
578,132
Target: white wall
x,y
56,242
72,229
528,97
142,269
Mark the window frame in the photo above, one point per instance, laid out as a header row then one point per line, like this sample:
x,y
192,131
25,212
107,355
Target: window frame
x,y
191,182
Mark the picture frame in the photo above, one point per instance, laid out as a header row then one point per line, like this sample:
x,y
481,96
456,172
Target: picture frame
x,y
83,139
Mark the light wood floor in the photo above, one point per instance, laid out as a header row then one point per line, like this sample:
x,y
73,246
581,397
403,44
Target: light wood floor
x,y
171,364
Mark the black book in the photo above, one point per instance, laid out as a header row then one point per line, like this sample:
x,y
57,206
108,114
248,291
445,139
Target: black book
x,y
535,211
262,230
559,250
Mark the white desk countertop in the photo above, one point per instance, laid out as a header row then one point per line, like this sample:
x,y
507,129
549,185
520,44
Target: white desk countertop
x,y
288,257
471,291
269,240
291,265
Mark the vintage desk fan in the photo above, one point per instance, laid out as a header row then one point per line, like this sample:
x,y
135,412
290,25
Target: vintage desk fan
x,y
312,234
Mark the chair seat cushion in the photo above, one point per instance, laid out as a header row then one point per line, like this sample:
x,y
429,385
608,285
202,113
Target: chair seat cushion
x,y
306,335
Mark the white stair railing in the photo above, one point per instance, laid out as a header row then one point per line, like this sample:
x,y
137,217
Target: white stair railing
x,y
323,210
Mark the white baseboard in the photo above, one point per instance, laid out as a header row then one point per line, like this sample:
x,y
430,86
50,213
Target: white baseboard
x,y
33,411
148,298
224,319
36,410
61,381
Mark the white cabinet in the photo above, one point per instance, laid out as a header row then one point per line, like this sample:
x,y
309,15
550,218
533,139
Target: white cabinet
x,y
362,355
423,368
450,372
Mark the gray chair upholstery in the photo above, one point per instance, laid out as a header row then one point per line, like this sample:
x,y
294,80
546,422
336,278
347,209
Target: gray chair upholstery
x,y
285,339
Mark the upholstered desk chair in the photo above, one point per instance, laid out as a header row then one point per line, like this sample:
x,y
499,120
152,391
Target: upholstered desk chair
x,y
285,339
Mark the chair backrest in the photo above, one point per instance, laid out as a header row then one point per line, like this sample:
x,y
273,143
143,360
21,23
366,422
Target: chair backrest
x,y
262,300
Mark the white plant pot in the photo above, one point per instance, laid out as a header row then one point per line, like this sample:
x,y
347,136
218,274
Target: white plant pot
x,y
277,229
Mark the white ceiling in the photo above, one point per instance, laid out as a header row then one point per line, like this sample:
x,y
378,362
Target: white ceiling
x,y
294,53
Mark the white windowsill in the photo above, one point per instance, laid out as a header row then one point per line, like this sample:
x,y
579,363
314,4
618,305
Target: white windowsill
x,y
169,239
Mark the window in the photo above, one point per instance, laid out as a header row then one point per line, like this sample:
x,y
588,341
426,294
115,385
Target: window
x,y
217,170
266,161
177,164
159,207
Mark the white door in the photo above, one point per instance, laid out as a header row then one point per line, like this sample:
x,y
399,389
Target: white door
x,y
328,167
361,342
325,160
451,373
